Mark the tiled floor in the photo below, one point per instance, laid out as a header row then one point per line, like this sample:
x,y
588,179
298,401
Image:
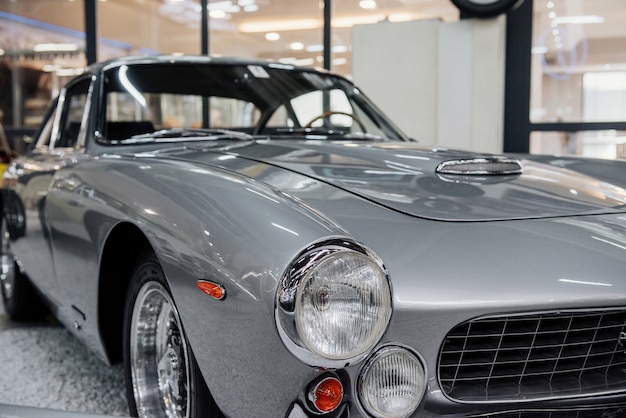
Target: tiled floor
x,y
43,365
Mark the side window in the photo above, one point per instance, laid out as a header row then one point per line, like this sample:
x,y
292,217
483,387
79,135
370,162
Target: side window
x,y
74,107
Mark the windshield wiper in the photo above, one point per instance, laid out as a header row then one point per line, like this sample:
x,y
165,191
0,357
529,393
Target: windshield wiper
x,y
325,133
199,134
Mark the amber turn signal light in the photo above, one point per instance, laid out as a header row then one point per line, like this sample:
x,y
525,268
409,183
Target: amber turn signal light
x,y
327,394
214,290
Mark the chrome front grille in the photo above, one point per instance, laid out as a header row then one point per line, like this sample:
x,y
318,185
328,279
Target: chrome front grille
x,y
535,356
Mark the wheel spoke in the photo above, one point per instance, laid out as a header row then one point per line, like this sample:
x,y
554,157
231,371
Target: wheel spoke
x,y
7,263
159,361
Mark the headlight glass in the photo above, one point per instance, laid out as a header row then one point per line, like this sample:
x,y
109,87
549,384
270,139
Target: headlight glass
x,y
343,306
392,383
333,303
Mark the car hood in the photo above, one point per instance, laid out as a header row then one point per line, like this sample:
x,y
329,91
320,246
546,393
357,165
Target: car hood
x,y
403,177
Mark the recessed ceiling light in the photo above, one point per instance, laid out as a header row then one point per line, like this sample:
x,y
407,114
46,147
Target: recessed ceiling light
x,y
272,36
315,48
296,46
367,4
217,14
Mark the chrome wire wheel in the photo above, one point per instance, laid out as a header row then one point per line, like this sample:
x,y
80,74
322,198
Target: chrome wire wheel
x,y
159,360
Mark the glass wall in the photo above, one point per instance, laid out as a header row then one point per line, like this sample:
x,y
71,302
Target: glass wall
x,y
148,27
578,73
277,30
290,31
45,40
37,56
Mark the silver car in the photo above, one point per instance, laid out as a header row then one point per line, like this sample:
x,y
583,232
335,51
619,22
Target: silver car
x,y
256,240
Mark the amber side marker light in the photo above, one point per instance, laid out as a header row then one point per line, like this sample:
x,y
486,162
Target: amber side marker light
x,y
327,394
214,290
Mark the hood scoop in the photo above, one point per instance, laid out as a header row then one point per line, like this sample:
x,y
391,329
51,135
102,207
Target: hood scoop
x,y
484,166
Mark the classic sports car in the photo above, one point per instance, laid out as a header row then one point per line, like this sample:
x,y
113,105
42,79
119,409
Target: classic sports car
x,y
256,240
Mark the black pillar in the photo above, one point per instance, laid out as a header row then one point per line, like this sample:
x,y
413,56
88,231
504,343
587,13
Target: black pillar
x,y
91,33
517,126
327,35
204,23
204,19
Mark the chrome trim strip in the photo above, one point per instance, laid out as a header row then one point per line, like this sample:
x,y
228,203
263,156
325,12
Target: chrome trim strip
x,y
486,166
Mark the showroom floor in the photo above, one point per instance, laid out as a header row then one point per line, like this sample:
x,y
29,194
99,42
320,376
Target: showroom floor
x,y
43,365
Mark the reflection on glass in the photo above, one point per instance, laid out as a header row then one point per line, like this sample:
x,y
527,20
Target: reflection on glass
x,y
609,144
37,57
148,27
604,96
577,55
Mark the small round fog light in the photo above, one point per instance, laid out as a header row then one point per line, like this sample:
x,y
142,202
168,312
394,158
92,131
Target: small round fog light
x,y
392,383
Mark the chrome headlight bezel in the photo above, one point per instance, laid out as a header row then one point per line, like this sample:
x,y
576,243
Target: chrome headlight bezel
x,y
295,278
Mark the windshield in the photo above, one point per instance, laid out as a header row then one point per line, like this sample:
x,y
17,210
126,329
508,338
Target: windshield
x,y
259,100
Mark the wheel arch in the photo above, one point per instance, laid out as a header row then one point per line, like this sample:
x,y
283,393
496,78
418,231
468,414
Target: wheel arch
x,y
122,249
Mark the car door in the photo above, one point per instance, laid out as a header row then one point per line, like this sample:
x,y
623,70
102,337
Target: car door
x,y
30,178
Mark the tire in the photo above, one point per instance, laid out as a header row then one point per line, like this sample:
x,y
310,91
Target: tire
x,y
484,8
21,300
162,376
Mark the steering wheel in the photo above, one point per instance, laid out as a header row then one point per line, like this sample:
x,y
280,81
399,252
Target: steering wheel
x,y
333,112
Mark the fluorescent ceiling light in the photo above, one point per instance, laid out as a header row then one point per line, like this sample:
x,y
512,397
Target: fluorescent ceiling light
x,y
304,24
55,47
279,25
348,22
339,49
297,62
578,20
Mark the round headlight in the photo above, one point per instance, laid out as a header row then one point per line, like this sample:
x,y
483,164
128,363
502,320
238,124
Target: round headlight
x,y
392,383
334,303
